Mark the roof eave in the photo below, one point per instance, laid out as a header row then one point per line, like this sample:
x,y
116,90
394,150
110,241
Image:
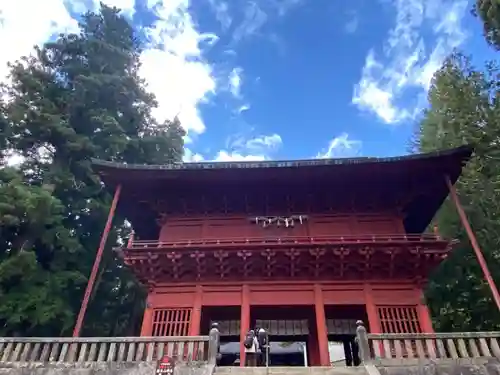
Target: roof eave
x,y
464,152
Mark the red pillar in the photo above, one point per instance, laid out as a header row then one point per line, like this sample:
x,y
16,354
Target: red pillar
x,y
194,329
97,261
319,307
244,320
423,313
147,320
424,317
371,311
474,243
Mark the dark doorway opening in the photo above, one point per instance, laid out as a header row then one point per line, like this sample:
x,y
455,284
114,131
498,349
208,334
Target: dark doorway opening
x,y
287,351
228,319
343,350
341,327
289,329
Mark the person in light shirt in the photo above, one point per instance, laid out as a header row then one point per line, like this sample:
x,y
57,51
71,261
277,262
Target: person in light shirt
x,y
251,345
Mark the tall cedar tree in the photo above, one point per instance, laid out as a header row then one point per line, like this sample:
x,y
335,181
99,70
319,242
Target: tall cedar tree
x,y
74,99
489,13
465,109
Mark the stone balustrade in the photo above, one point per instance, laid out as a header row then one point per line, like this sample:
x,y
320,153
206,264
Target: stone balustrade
x,y
373,348
426,346
184,349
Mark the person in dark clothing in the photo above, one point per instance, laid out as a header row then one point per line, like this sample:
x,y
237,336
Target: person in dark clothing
x,y
252,350
263,339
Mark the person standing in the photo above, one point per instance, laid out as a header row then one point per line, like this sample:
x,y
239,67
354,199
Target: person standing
x,y
251,345
215,338
263,339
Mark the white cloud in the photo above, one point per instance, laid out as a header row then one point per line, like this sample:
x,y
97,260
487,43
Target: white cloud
x,y
409,58
341,147
243,108
221,10
266,142
234,85
370,94
235,156
257,13
172,66
25,23
352,26
239,148
190,156
254,19
253,149
284,6
353,22
235,82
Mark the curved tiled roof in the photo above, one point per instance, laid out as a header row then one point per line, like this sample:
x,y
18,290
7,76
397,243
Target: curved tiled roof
x,y
419,177
101,165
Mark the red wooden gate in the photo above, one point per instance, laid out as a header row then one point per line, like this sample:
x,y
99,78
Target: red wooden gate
x,y
171,322
399,319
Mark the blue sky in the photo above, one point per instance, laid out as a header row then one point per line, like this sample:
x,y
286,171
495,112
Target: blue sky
x,y
277,79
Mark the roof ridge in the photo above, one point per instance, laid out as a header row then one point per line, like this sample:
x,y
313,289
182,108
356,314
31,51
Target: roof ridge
x,y
465,149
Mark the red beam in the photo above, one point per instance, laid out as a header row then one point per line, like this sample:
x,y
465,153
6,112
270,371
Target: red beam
x,y
97,261
474,243
394,239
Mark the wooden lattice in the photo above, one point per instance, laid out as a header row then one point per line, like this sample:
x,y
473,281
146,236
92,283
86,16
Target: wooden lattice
x,y
341,326
285,258
171,322
228,327
399,319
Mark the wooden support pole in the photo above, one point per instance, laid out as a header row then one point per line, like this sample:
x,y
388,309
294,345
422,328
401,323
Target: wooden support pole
x,y
319,307
147,320
244,320
474,243
97,261
424,318
194,329
371,311
423,312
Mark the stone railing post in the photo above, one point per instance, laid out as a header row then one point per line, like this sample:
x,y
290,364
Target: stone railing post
x,y
214,344
362,341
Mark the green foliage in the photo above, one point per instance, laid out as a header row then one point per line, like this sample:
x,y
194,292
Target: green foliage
x,y
32,296
73,99
465,109
489,12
